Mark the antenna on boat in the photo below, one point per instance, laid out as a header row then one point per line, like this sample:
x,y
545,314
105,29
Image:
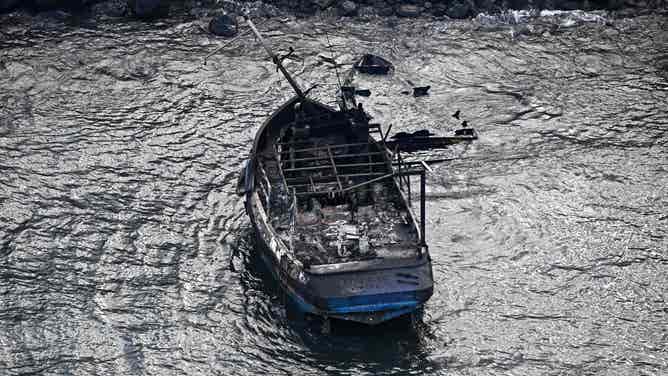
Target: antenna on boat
x,y
336,66
278,60
336,69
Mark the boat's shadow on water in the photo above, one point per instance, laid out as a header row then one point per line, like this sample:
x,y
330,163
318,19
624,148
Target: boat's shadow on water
x,y
346,342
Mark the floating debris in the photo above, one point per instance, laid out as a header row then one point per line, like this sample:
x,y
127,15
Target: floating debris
x,y
421,91
372,64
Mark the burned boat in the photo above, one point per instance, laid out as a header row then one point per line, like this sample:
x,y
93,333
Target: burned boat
x,y
331,207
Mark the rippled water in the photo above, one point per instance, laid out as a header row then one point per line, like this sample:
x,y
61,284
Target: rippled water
x,y
123,249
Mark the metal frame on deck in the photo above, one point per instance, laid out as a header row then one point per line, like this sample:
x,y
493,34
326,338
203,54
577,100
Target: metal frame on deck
x,y
398,166
332,168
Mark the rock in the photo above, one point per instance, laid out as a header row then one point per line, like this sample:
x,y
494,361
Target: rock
x,y
6,5
323,4
268,10
439,9
46,4
348,8
408,10
614,4
57,4
459,9
54,15
331,12
229,6
255,9
110,8
149,8
367,12
567,4
492,7
223,25
518,4
385,11
306,7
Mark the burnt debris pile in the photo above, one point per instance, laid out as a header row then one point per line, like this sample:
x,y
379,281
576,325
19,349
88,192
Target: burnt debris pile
x,y
344,207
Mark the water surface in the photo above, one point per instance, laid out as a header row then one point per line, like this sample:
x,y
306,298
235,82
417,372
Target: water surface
x,y
124,250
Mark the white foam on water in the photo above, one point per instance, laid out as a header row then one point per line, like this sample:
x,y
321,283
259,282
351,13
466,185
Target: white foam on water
x,y
515,17
576,15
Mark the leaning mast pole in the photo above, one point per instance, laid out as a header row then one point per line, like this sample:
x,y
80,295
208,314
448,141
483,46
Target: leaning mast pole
x,y
277,60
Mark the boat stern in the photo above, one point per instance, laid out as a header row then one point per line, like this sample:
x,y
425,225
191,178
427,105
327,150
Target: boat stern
x,y
371,296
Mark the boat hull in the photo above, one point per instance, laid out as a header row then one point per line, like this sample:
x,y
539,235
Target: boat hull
x,y
372,295
369,292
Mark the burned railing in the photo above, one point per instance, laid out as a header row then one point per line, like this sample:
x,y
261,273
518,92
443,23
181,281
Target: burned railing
x,y
404,173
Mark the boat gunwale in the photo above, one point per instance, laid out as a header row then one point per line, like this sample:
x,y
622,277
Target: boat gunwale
x,y
374,264
260,133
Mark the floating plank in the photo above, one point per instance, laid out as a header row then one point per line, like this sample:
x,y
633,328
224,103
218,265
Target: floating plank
x,y
426,143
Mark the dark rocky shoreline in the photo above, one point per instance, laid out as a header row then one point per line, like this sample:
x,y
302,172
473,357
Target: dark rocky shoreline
x,y
454,9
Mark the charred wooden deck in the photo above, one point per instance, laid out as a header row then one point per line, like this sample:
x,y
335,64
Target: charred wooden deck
x,y
334,194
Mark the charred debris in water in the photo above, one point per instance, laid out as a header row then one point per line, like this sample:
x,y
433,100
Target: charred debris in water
x,y
372,64
375,65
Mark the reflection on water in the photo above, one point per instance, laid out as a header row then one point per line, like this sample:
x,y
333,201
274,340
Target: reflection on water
x,y
123,249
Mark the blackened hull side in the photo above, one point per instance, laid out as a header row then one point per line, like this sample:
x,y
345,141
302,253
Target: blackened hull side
x,y
379,292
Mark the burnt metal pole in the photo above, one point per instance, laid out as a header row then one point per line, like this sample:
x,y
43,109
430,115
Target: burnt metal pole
x,y
422,207
275,58
408,185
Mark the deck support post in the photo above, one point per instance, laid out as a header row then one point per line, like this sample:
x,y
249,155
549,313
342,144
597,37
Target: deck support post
x,y
423,179
336,173
408,186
